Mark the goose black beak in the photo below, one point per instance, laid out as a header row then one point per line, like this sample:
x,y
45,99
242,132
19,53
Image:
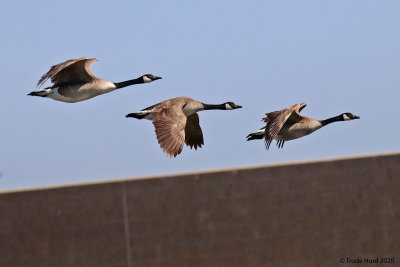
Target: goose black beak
x,y
157,78
356,117
238,106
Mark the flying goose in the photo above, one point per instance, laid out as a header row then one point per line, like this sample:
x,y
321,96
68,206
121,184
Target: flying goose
x,y
73,81
287,124
176,122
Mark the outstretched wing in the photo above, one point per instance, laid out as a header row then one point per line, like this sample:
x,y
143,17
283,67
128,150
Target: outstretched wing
x,y
193,132
71,71
170,129
296,116
276,119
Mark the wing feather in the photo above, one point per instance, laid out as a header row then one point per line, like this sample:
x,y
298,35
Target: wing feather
x,y
71,71
193,132
276,119
170,129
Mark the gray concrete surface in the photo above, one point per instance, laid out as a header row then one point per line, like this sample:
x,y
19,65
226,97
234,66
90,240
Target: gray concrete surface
x,y
302,214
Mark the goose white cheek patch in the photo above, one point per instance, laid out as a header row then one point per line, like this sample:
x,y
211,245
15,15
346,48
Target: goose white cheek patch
x,y
228,107
345,117
146,79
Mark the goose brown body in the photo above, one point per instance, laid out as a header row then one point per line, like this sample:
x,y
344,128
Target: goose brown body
x,y
73,81
288,124
176,122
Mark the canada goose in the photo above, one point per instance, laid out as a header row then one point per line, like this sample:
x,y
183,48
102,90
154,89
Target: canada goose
x,y
287,124
176,122
73,81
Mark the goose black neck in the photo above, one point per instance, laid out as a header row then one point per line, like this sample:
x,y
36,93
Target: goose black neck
x,y
330,120
210,106
129,82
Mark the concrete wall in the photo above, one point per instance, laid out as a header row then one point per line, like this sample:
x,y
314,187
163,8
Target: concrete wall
x,y
305,214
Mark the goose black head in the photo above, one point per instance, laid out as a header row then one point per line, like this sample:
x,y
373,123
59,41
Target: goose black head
x,y
349,116
150,77
231,105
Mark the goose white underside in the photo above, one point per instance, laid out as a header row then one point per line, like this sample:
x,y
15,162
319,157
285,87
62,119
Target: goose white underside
x,y
57,96
292,132
297,130
76,93
54,94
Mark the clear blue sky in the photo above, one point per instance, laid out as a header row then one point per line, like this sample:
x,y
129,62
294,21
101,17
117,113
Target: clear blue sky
x,y
336,56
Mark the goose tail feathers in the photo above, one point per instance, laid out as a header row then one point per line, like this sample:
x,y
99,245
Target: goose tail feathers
x,y
43,93
136,115
254,136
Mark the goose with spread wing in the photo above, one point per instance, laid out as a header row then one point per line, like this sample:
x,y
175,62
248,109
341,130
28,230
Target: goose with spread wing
x,y
176,122
73,81
288,124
